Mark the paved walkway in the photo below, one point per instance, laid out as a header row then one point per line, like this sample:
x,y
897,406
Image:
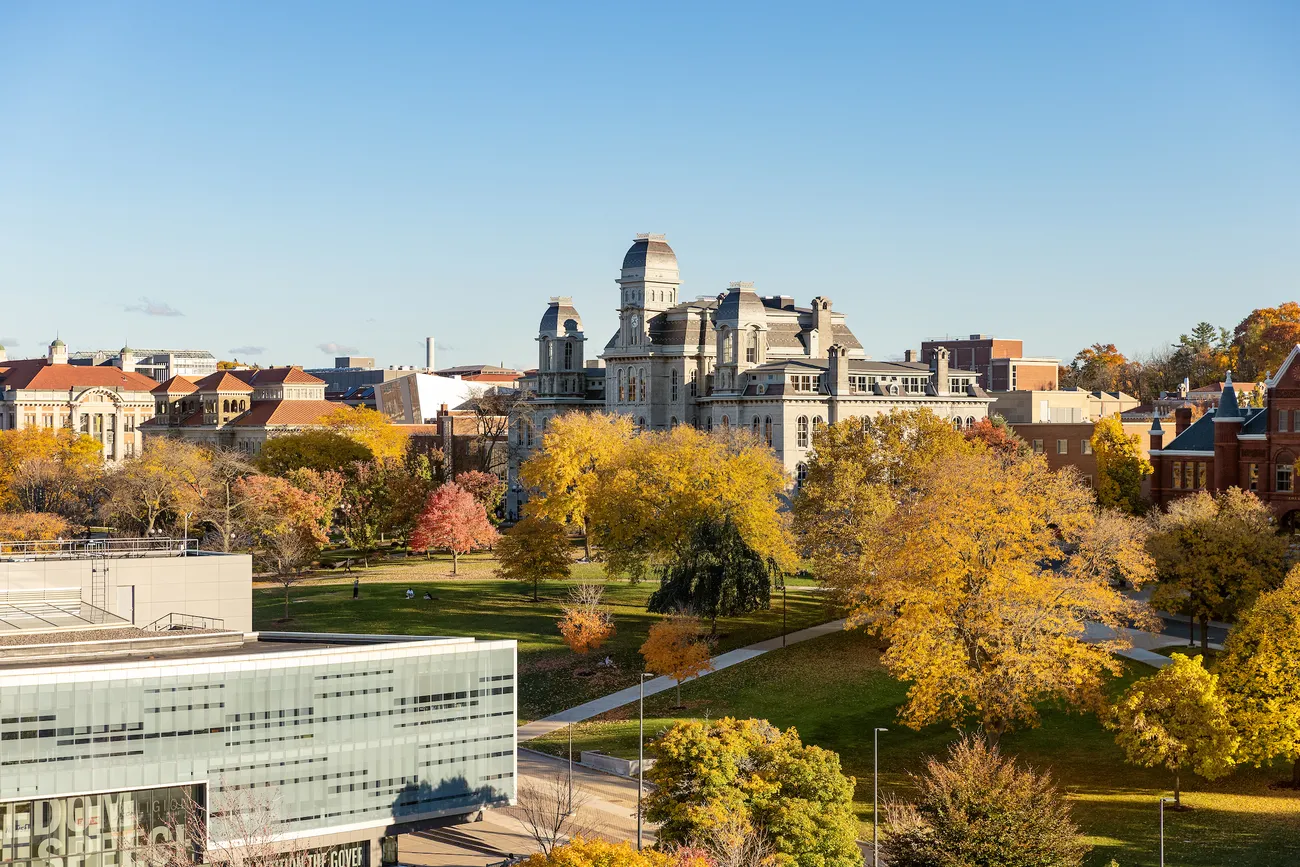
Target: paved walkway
x,y
597,706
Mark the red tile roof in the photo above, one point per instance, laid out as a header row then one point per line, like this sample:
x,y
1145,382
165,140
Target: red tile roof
x,y
38,373
177,385
272,375
223,381
286,412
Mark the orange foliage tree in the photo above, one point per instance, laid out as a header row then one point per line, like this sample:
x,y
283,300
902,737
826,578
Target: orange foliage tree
x,y
585,624
1265,338
31,526
454,520
673,648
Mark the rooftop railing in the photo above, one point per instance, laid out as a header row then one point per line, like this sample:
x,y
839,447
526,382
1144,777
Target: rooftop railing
x,y
87,549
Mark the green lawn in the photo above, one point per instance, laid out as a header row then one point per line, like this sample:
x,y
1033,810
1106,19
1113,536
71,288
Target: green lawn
x,y
834,691
552,678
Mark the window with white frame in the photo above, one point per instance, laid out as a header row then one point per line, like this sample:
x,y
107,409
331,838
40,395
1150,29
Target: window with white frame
x,y
1285,478
801,432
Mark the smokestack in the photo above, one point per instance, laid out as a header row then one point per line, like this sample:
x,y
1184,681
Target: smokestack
x,y
428,353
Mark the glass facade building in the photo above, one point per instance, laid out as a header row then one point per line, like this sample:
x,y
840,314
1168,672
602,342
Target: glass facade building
x,y
346,736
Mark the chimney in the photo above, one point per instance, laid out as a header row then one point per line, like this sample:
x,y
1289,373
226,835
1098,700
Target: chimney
x,y
1182,419
428,353
822,324
941,371
838,372
909,355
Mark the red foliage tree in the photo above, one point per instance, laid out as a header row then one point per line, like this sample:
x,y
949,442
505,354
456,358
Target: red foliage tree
x,y
454,520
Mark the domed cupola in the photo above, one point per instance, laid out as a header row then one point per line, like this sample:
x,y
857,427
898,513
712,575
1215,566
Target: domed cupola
x,y
559,349
648,286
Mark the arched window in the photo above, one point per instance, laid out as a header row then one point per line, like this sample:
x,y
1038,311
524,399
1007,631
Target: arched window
x,y
672,422
225,406
725,422
767,430
528,433
708,424
801,432
674,385
751,347
568,355
622,383
800,474
641,422
243,405
956,422
756,424
817,422
640,374
694,374
970,422
893,389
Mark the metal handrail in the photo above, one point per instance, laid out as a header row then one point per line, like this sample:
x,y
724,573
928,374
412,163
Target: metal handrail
x,y
84,549
177,620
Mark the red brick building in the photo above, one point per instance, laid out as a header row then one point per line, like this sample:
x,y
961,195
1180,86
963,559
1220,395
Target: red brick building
x,y
1253,448
1001,364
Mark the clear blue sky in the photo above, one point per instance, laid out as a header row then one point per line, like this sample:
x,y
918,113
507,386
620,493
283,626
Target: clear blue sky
x,y
290,175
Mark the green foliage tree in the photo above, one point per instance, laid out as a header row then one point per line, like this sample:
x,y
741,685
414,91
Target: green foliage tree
x,y
367,503
489,489
319,450
1259,677
1214,553
980,808
536,550
1120,467
1176,718
717,575
712,773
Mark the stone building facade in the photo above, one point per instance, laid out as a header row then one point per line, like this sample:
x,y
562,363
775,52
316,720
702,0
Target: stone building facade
x,y
110,404
239,409
735,359
1252,448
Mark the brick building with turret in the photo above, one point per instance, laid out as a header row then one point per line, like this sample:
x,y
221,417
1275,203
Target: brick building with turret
x,y
1252,448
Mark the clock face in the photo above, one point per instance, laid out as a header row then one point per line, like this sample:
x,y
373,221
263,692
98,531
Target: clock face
x,y
636,321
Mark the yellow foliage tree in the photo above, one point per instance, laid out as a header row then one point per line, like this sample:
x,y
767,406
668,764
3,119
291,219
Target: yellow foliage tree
x,y
673,648
30,527
661,486
968,589
1178,719
1259,676
1120,466
534,550
860,472
580,852
46,470
584,623
563,476
369,428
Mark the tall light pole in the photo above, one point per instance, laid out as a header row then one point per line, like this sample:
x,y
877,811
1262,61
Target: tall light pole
x,y
570,763
875,797
640,754
1162,830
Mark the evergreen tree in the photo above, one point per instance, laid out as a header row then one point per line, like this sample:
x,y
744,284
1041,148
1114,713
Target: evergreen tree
x,y
718,575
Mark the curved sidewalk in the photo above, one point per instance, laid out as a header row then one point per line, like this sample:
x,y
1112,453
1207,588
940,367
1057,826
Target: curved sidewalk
x,y
597,706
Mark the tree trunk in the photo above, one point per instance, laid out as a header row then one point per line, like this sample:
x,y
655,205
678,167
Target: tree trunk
x,y
286,601
1295,774
1178,792
586,540
455,561
534,588
679,693
1191,631
1205,633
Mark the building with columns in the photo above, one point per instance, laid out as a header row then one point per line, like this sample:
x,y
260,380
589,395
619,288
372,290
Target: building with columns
x,y
1252,448
108,403
733,359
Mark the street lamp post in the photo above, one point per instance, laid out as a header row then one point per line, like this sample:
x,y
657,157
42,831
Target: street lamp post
x,y
570,766
640,754
875,796
784,607
1162,830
